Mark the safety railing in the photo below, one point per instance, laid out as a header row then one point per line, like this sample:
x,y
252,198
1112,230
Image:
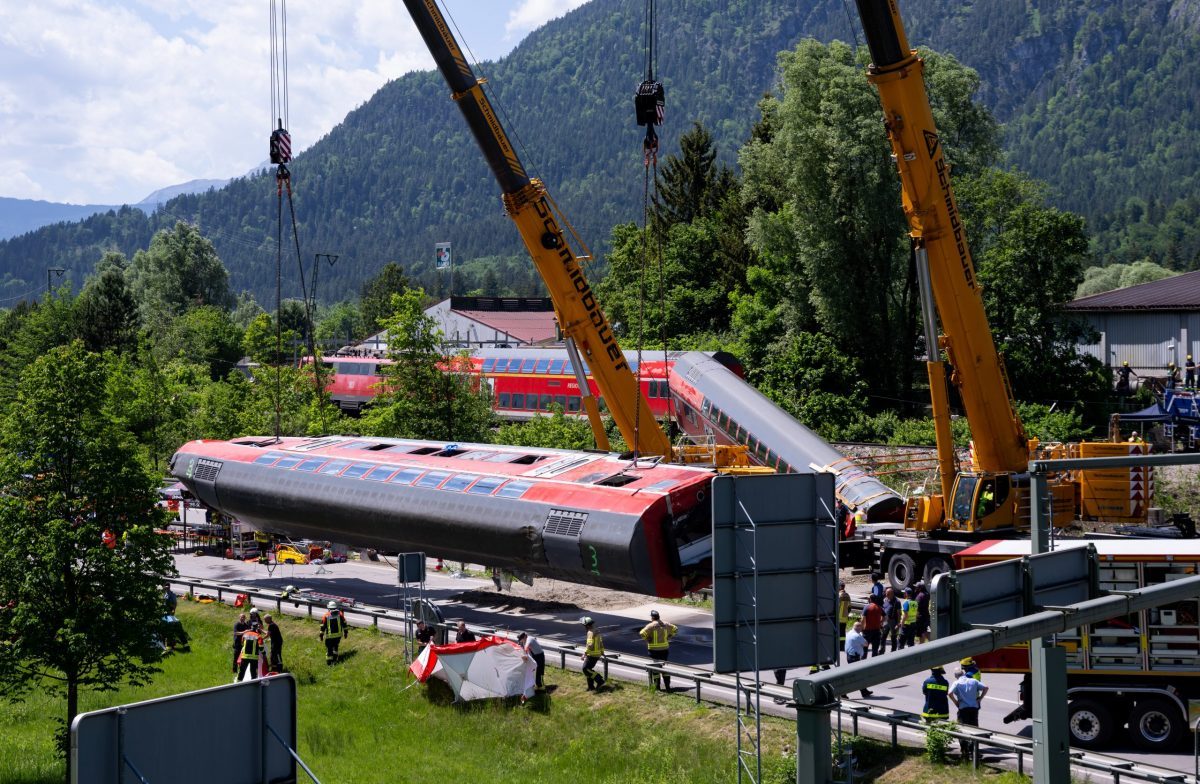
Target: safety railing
x,y
719,686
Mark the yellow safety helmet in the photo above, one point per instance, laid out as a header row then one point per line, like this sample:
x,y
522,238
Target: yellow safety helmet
x,y
1125,363
967,662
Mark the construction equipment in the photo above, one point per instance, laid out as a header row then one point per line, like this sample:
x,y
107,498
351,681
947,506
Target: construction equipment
x,y
991,496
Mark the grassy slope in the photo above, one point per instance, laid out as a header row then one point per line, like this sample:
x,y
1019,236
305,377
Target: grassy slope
x,y
357,723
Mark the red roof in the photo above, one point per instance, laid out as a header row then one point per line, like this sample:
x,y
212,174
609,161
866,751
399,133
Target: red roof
x,y
1179,292
527,327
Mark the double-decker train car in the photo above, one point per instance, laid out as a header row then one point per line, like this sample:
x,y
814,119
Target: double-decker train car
x,y
524,382
712,402
585,517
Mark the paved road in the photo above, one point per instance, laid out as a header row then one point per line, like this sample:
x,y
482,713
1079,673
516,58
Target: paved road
x,y
375,583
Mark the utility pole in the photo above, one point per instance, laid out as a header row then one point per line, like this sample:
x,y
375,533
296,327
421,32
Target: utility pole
x,y
57,271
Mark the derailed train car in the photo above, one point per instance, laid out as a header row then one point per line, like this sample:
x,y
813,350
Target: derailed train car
x,y
585,517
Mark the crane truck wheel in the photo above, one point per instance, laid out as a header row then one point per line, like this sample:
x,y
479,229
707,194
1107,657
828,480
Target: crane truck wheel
x,y
1155,724
1091,724
902,571
935,566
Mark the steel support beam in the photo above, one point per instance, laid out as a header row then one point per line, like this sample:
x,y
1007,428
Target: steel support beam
x,y
814,762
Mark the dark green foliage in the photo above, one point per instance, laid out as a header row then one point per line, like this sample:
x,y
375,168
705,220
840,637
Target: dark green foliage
x,y
206,336
76,614
555,431
179,271
375,300
107,310
425,395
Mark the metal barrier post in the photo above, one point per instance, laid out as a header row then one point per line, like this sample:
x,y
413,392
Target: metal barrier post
x,y
1051,745
814,763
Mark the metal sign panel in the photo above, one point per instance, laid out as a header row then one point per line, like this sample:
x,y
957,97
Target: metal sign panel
x,y
141,741
410,568
774,571
998,592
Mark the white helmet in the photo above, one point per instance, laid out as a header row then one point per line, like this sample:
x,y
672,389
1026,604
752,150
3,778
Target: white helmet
x,y
290,588
332,605
586,620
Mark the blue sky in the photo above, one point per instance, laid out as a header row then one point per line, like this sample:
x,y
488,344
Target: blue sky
x,y
104,101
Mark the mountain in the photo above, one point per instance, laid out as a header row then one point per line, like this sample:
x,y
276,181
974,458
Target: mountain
x,y
164,195
18,216
1096,98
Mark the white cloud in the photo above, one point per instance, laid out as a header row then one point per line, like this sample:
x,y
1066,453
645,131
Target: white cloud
x,y
531,14
104,101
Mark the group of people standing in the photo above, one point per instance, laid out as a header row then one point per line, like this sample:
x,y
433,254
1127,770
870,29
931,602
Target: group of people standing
x,y
257,639
967,693
887,619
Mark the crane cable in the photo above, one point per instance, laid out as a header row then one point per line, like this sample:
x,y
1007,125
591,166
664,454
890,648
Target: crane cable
x,y
280,146
649,108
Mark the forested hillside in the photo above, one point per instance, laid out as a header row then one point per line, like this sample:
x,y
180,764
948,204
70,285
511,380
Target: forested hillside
x,y
1096,96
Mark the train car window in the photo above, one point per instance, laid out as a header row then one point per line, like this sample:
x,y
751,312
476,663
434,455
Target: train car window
x,y
652,390
357,470
568,368
451,452
432,479
574,403
587,479
425,450
502,401
268,458
527,365
371,370
312,464
489,365
664,389
355,445
380,473
556,367
485,486
603,405
561,401
553,383
518,400
618,480
545,404
752,442
459,482
543,365
664,485
335,467
405,477
513,490
501,364
381,447
288,461
772,460
531,402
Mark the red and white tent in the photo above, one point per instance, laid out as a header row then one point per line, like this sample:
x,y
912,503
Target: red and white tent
x,y
486,668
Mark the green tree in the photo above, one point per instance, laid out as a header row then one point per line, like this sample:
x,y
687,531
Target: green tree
x,y
426,395
1029,258
341,324
692,184
108,317
1097,280
376,299
30,332
246,309
556,431
179,271
204,335
76,614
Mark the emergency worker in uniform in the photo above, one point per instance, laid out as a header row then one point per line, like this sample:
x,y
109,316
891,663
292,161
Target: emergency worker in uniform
x,y
657,635
1189,373
252,648
843,611
592,654
333,629
1123,374
937,696
1172,376
971,669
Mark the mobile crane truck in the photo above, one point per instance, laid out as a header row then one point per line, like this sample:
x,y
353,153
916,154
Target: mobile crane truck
x,y
990,498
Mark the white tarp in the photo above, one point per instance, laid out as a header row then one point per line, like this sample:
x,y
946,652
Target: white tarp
x,y
488,668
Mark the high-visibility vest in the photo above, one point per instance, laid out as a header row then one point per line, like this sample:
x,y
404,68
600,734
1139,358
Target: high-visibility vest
x,y
656,634
843,608
595,645
910,611
937,698
251,645
333,624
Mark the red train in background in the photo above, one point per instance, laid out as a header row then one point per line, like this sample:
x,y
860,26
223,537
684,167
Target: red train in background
x,y
524,382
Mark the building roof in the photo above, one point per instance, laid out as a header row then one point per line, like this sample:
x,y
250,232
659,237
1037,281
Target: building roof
x,y
527,327
1180,292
